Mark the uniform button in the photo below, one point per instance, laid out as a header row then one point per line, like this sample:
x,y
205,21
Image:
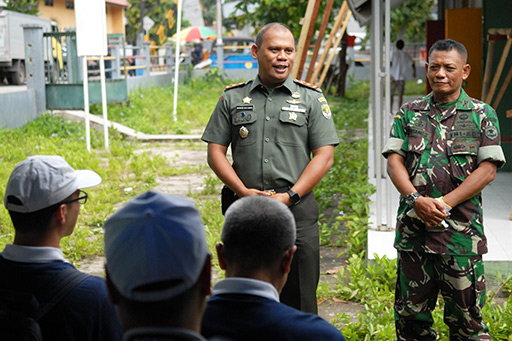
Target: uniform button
x,y
267,139
267,118
266,160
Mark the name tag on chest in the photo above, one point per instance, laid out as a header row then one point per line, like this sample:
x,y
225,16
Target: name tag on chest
x,y
294,108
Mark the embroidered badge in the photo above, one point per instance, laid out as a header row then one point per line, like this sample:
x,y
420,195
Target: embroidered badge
x,y
491,132
326,111
322,99
292,116
246,100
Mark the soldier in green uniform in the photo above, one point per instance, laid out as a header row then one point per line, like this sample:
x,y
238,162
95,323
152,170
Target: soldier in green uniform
x,y
282,139
443,150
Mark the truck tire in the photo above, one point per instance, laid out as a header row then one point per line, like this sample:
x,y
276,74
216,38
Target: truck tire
x,y
18,77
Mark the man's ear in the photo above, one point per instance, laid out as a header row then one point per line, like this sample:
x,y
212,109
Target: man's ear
x,y
61,214
254,51
286,262
220,255
206,276
113,294
466,70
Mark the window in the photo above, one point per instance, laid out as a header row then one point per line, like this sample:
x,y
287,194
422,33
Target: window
x,y
70,5
48,3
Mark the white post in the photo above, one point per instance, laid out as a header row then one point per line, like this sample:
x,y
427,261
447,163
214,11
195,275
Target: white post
x,y
220,42
376,86
104,100
389,188
177,63
86,104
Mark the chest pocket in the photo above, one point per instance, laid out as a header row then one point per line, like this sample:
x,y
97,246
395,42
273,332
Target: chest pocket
x,y
462,154
418,134
293,128
244,129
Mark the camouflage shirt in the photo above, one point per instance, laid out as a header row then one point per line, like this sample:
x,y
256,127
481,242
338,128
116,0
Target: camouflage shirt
x,y
442,145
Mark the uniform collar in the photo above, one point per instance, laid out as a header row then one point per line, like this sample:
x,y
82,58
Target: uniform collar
x,y
33,254
247,286
288,84
425,104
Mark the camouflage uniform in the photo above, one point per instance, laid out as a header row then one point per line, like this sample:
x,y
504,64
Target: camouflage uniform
x,y
442,145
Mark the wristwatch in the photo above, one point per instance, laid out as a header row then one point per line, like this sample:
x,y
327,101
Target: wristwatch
x,y
294,197
410,199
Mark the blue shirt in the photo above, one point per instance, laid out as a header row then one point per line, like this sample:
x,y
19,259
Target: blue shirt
x,y
83,314
247,309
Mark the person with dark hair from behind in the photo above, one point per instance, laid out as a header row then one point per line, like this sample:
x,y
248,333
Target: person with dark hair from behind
x,y
256,252
400,62
43,197
158,267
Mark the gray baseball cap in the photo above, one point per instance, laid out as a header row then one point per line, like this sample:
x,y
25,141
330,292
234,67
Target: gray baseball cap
x,y
155,247
41,181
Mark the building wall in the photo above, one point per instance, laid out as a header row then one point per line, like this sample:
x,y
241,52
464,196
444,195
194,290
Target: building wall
x,y
496,14
65,18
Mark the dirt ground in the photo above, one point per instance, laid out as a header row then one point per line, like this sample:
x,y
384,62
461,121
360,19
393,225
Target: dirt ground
x,y
194,155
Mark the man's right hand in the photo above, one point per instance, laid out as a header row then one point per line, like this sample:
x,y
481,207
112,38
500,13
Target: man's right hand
x,y
249,192
430,211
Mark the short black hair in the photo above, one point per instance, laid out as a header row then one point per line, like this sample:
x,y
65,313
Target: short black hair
x,y
400,44
257,232
33,222
264,29
448,45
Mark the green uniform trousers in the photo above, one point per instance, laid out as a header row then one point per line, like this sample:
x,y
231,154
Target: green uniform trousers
x,y
420,278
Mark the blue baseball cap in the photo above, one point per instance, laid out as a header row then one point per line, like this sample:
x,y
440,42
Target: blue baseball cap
x,y
155,247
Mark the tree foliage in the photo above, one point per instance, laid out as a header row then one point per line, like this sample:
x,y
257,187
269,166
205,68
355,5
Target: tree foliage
x,y
407,20
156,10
22,6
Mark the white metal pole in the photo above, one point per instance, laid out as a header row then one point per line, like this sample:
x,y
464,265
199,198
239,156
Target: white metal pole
x,y
220,42
377,107
177,62
104,100
86,104
387,16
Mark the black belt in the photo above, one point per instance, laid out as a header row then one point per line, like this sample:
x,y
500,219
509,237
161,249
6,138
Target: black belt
x,y
282,189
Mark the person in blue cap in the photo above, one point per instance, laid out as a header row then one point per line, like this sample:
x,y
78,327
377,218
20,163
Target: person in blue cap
x,y
158,267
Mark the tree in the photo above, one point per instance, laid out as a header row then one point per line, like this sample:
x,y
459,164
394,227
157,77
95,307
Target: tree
x,y
22,6
158,11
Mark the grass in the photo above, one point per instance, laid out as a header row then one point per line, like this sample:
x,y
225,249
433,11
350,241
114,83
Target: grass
x,y
130,169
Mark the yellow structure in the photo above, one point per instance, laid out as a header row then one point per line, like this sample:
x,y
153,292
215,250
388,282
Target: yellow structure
x,y
62,12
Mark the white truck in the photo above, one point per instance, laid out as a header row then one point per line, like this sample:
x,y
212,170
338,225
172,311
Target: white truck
x,y
12,48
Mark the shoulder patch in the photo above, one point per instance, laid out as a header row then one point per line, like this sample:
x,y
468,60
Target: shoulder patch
x,y
232,86
306,84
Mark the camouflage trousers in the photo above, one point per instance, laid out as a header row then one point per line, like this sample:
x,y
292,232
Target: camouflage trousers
x,y
420,278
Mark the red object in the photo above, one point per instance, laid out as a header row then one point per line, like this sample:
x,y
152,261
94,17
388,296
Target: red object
x,y
351,40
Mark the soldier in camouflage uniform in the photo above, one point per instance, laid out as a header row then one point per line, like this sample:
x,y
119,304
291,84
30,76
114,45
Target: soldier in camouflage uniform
x,y
274,125
443,150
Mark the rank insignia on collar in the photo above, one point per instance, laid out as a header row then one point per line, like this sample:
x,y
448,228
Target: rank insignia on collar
x,y
293,101
246,100
295,95
292,116
244,132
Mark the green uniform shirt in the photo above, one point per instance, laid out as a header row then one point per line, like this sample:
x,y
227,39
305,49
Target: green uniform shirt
x,y
271,134
443,145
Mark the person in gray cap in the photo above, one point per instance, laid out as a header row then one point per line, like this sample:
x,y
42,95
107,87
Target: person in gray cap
x,y
158,267
256,252
43,197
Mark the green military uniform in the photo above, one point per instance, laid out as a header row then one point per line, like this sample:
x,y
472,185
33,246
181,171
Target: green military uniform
x,y
442,145
272,134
